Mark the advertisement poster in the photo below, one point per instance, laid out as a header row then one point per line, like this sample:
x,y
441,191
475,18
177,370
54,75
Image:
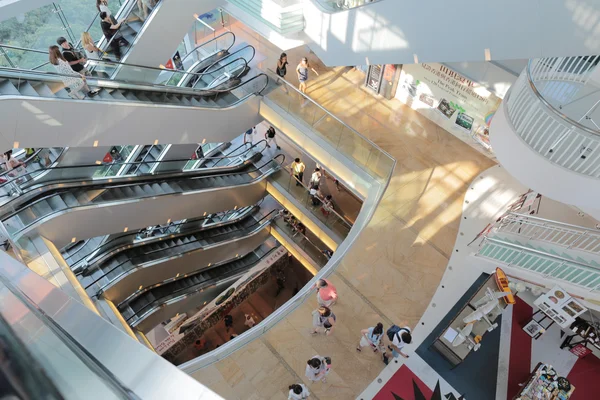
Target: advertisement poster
x,y
560,306
454,102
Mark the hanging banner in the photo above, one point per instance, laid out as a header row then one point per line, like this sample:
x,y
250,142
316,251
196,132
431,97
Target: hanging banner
x,y
452,101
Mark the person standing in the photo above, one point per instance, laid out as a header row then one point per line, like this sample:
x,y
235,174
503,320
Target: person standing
x,y
110,29
75,59
249,135
326,293
302,71
298,392
71,79
102,6
327,207
315,179
324,318
282,69
91,50
399,337
270,138
317,368
297,169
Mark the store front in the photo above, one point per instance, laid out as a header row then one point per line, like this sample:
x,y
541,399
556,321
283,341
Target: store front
x,y
454,102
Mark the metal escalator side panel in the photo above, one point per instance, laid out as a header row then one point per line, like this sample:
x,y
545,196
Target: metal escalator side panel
x,y
158,271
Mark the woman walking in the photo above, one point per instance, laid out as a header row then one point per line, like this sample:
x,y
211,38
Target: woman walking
x,y
326,293
317,368
298,392
372,337
71,79
324,318
282,69
302,71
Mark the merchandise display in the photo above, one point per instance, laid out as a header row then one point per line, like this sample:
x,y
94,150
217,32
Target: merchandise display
x,y
545,384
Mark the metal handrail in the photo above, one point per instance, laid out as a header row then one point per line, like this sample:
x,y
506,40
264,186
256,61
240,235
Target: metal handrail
x,y
329,113
27,160
549,106
100,254
526,217
15,234
540,253
116,84
176,298
259,223
136,163
208,69
209,41
221,67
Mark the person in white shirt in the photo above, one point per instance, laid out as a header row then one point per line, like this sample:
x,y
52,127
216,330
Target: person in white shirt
x,y
317,368
298,392
400,339
315,179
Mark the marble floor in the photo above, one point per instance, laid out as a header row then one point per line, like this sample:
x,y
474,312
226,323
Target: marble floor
x,y
393,269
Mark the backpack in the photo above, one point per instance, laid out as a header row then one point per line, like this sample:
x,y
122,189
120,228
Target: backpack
x,y
393,331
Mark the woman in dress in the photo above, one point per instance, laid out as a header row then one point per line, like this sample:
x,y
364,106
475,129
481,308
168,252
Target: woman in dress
x,y
282,69
372,337
71,79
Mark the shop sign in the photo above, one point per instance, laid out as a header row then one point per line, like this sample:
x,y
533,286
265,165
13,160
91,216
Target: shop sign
x,y
449,99
580,350
169,64
168,342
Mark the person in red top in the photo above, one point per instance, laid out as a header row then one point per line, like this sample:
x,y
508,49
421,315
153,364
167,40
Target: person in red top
x,y
326,293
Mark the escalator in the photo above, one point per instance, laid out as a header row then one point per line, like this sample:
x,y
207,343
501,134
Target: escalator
x,y
119,277
87,254
207,53
123,110
145,160
156,304
138,202
224,72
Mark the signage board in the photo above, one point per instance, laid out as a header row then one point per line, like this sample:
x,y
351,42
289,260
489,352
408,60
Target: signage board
x,y
560,306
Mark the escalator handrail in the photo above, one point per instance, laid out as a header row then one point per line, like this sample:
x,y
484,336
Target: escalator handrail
x,y
209,41
245,63
255,179
255,227
169,236
208,69
169,296
73,167
51,76
28,159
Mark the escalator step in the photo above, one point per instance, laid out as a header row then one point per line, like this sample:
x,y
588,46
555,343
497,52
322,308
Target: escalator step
x,y
42,89
118,95
26,89
7,87
57,203
69,199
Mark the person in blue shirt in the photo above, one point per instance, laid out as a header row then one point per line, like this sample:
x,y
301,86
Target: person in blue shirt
x,y
372,337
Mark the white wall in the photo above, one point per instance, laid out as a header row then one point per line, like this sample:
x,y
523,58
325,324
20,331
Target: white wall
x,y
392,31
63,122
538,173
160,37
493,77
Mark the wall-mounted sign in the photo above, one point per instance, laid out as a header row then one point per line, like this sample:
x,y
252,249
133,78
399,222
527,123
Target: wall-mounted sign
x,y
374,75
452,101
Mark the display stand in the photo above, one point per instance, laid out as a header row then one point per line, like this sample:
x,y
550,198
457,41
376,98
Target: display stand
x,y
541,385
535,320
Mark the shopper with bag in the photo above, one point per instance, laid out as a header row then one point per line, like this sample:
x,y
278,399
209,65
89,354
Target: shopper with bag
x,y
399,338
317,368
372,337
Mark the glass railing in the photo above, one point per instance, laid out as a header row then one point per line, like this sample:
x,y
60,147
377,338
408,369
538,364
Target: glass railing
x,y
216,46
328,216
36,180
315,252
240,92
341,5
357,148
